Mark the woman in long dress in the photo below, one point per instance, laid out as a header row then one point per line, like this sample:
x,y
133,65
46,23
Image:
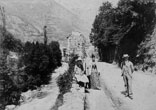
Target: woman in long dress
x,y
81,78
95,82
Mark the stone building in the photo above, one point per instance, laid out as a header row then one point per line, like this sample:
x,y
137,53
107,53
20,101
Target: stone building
x,y
76,44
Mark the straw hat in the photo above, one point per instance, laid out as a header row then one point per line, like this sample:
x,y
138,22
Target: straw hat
x,y
79,59
125,56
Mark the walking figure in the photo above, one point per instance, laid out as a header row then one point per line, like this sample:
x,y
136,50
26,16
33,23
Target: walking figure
x,y
127,71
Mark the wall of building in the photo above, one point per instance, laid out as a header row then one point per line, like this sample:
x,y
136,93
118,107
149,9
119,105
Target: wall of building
x,y
76,43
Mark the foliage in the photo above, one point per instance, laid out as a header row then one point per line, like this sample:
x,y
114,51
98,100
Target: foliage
x,y
40,60
54,46
10,80
12,44
147,52
10,88
65,81
119,30
36,63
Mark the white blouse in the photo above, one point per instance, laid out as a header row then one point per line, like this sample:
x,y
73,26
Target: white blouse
x,y
82,78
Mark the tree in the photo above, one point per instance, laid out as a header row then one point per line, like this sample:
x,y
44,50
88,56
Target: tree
x,y
3,15
65,80
40,61
12,44
55,48
119,30
10,92
45,35
147,52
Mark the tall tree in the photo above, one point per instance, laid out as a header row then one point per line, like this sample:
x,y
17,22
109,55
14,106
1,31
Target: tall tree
x,y
121,29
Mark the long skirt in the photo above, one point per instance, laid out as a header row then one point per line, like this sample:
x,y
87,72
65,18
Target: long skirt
x,y
89,84
94,80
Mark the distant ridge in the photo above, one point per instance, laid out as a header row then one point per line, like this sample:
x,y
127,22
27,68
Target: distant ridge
x,y
26,19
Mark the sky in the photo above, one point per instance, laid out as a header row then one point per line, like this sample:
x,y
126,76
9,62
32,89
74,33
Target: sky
x,y
85,9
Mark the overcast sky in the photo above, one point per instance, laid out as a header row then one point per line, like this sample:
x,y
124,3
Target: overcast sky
x,y
85,9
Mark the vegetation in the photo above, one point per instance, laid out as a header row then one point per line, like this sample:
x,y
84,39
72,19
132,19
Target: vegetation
x,y
146,52
121,29
10,84
36,63
40,61
65,81
12,44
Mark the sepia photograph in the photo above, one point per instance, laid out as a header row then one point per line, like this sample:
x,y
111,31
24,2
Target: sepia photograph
x,y
77,54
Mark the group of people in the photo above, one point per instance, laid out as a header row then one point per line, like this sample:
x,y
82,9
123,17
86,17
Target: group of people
x,y
86,73
88,76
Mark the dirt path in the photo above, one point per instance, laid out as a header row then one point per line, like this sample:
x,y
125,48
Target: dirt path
x,y
97,100
144,88
108,98
52,91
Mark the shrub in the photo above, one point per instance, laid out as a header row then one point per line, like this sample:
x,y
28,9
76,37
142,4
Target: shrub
x,y
54,47
65,81
40,61
10,91
36,63
12,44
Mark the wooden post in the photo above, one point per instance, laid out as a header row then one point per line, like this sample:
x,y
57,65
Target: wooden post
x,y
68,48
3,18
45,35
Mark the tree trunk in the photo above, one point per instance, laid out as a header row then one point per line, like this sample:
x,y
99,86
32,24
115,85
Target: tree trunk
x,y
115,54
100,54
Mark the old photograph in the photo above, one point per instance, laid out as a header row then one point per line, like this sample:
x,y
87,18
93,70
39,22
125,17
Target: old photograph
x,y
77,54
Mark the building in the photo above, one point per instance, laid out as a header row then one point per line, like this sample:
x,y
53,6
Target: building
x,y
76,44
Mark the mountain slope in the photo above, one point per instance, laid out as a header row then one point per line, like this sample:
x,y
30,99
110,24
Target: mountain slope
x,y
34,14
85,9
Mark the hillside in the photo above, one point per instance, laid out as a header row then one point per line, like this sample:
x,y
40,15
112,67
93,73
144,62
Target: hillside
x,y
85,9
25,19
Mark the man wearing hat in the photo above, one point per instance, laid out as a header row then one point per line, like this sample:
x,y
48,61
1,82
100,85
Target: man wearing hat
x,y
127,71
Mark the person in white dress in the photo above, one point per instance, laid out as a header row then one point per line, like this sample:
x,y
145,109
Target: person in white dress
x,y
80,77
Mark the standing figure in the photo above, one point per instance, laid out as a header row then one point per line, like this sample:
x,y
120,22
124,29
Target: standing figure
x,y
80,77
127,71
87,66
94,78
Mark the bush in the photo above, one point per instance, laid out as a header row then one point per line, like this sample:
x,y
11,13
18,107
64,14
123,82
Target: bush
x,y
40,61
65,81
10,91
10,82
12,44
36,63
54,47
